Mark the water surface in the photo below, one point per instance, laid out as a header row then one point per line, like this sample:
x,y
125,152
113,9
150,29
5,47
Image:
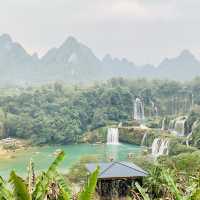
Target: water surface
x,y
43,156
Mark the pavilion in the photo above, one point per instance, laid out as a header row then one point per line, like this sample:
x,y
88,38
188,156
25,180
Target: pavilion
x,y
116,178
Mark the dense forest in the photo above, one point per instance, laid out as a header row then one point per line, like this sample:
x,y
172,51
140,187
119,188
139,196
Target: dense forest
x,y
59,113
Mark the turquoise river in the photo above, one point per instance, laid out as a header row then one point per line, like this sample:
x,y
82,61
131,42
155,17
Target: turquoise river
x,y
43,156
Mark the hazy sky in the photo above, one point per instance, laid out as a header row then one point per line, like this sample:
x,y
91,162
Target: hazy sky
x,y
144,31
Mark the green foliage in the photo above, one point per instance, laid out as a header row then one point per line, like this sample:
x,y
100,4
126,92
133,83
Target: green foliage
x,y
97,135
134,136
58,113
5,194
43,188
142,191
20,189
155,183
78,172
172,185
188,162
65,193
177,148
89,188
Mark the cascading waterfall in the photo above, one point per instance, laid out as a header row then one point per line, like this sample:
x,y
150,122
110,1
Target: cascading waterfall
x,y
143,139
120,124
179,127
138,110
113,136
171,125
188,139
154,109
163,124
160,147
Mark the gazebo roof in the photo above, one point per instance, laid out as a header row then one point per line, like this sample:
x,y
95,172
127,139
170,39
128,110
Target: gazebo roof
x,y
117,170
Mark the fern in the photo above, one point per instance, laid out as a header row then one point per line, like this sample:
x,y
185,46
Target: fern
x,y
20,189
89,188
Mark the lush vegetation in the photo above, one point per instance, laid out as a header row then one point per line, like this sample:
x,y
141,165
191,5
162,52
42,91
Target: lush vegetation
x,y
49,185
57,113
165,181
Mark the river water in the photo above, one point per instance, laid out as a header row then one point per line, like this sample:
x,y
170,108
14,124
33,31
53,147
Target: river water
x,y
43,156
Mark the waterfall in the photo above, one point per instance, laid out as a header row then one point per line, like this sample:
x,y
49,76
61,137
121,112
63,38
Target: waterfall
x,y
143,139
113,136
195,125
179,128
120,124
163,124
154,109
188,139
142,126
171,125
138,110
160,147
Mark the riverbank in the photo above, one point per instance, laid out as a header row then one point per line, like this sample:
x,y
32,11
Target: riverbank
x,y
10,147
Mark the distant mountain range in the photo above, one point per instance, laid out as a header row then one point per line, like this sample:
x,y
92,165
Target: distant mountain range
x,y
73,62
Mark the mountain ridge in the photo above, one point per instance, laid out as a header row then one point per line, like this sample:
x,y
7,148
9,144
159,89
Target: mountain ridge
x,y
74,62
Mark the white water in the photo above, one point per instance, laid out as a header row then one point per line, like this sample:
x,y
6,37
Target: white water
x,y
171,125
120,124
113,136
160,147
188,139
138,110
180,127
143,139
142,126
154,109
163,124
189,136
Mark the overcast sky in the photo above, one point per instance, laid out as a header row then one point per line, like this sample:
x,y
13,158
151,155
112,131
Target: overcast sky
x,y
144,31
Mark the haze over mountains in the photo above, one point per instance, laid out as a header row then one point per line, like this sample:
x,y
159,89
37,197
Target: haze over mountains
x,y
73,62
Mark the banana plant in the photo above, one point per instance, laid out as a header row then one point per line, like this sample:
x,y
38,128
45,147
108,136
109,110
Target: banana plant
x,y
40,187
5,194
20,188
142,191
89,187
193,195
